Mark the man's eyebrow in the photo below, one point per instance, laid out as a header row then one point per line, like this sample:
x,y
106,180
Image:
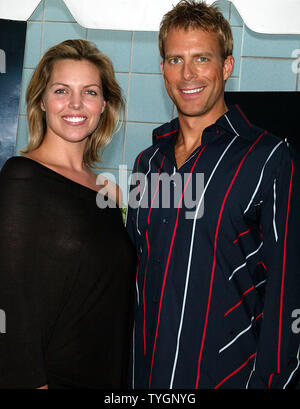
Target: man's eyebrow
x,y
204,54
173,55
196,54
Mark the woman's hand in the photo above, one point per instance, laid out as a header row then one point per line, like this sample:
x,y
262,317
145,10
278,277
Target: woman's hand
x,y
43,387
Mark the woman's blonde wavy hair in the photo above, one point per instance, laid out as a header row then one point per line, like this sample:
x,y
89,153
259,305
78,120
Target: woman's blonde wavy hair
x,y
76,50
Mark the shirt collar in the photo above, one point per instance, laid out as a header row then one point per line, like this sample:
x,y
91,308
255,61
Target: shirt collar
x,y
234,122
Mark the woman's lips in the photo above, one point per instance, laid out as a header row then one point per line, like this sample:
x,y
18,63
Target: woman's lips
x,y
74,119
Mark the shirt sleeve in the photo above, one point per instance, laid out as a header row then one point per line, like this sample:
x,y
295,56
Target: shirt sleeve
x,y
277,360
21,343
133,203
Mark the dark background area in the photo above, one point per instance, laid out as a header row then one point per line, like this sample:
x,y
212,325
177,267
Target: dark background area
x,y
12,41
277,112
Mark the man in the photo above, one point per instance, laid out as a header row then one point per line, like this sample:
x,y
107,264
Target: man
x,y
217,284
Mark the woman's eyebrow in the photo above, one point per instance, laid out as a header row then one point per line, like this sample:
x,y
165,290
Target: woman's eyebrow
x,y
92,85
67,85
59,83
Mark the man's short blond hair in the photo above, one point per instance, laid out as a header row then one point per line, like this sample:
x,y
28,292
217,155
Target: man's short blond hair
x,y
191,14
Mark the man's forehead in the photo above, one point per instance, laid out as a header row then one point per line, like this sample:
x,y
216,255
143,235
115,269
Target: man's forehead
x,y
191,30
196,40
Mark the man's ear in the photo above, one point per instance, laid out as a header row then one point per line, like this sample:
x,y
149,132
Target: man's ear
x,y
228,67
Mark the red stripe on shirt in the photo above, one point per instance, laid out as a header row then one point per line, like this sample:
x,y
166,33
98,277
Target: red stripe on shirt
x,y
241,234
270,380
148,247
234,372
259,315
144,301
283,269
166,134
215,253
243,115
137,267
263,264
241,300
168,262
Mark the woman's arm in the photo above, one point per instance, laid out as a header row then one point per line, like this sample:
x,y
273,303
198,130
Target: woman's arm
x,y
21,347
43,387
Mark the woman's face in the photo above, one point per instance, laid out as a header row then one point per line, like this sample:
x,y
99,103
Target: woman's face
x,y
73,100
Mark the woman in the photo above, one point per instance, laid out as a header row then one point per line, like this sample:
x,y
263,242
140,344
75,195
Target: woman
x,y
66,266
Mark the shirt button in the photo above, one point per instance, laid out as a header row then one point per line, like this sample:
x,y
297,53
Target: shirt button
x,y
141,250
165,221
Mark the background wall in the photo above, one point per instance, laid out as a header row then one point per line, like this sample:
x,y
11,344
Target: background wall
x,y
262,63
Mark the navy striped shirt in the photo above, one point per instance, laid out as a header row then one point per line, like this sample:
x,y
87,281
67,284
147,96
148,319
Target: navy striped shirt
x,y
218,278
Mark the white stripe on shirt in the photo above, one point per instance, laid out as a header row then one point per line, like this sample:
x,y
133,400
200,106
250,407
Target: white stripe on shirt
x,y
261,175
189,262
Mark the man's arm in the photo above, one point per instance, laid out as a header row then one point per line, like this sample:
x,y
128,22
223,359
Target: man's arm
x,y
277,362
133,201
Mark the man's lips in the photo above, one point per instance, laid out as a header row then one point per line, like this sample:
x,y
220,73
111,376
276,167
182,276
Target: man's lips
x,y
74,119
191,91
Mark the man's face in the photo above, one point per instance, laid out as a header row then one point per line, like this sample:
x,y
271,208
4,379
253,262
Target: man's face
x,y
195,73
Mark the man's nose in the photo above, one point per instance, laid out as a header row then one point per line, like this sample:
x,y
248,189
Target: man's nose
x,y
189,71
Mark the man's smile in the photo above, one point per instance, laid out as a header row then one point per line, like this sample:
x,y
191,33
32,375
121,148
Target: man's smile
x,y
192,91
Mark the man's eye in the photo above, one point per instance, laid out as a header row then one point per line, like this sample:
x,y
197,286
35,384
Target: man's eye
x,y
174,60
202,59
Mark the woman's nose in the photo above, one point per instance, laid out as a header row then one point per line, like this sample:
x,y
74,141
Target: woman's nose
x,y
75,101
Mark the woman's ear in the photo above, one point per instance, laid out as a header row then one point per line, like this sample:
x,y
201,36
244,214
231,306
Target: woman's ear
x,y
103,108
43,106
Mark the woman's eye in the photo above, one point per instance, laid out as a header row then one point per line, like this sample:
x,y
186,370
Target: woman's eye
x,y
91,92
60,91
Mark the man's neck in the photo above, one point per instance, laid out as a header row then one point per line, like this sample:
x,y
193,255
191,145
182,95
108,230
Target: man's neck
x,y
192,127
190,133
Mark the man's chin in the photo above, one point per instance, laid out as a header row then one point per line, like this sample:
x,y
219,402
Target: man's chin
x,y
191,113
